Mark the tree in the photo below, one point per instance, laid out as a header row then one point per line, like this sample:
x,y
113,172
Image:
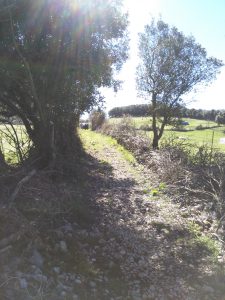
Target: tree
x,y
171,66
97,118
136,110
220,118
55,56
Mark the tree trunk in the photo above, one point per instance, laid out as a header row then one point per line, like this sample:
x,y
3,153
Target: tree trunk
x,y
155,143
3,163
57,142
162,128
41,138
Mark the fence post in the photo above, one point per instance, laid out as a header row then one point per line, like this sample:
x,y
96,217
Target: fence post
x,y
212,142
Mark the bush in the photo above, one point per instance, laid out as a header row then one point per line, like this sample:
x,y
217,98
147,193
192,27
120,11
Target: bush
x,y
145,128
199,127
97,118
126,134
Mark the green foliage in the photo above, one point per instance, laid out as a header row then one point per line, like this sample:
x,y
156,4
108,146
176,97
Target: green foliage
x,y
143,110
57,54
162,186
202,240
139,110
203,155
172,64
146,191
155,192
220,118
200,114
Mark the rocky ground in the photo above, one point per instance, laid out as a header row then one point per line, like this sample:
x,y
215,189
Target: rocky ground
x,y
117,236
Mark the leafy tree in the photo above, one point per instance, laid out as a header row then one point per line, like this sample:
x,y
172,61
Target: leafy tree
x,y
220,118
171,66
54,57
138,110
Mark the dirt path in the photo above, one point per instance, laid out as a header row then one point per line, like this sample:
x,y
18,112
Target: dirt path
x,y
143,239
110,234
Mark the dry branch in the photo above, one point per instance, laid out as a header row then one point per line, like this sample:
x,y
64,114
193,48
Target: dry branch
x,y
19,186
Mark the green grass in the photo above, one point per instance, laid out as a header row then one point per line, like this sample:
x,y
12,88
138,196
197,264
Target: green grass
x,y
200,137
194,122
140,121
189,133
203,241
137,122
99,142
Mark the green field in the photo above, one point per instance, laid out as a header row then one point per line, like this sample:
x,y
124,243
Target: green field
x,y
143,121
188,132
200,137
137,122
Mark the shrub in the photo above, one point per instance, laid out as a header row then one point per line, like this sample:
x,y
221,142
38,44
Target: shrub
x,y
146,128
199,127
97,118
126,134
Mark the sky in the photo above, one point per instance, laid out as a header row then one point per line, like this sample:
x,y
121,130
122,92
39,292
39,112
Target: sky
x,y
204,19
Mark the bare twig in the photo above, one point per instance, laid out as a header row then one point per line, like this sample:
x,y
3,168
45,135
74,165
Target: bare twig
x,y
19,186
220,222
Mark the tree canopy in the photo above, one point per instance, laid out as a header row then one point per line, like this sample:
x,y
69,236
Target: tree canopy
x,y
138,110
220,118
55,57
171,66
144,110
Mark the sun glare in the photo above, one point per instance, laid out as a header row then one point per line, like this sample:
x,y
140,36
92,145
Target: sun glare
x,y
140,11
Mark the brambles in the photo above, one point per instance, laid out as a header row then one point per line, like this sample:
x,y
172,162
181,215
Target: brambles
x,y
125,133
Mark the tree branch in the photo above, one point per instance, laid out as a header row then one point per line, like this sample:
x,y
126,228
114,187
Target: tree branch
x,y
27,67
19,186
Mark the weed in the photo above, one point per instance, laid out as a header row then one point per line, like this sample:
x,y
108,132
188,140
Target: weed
x,y
203,241
162,186
146,191
155,192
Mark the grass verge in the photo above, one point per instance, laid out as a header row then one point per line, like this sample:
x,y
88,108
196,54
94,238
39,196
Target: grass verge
x,y
100,142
